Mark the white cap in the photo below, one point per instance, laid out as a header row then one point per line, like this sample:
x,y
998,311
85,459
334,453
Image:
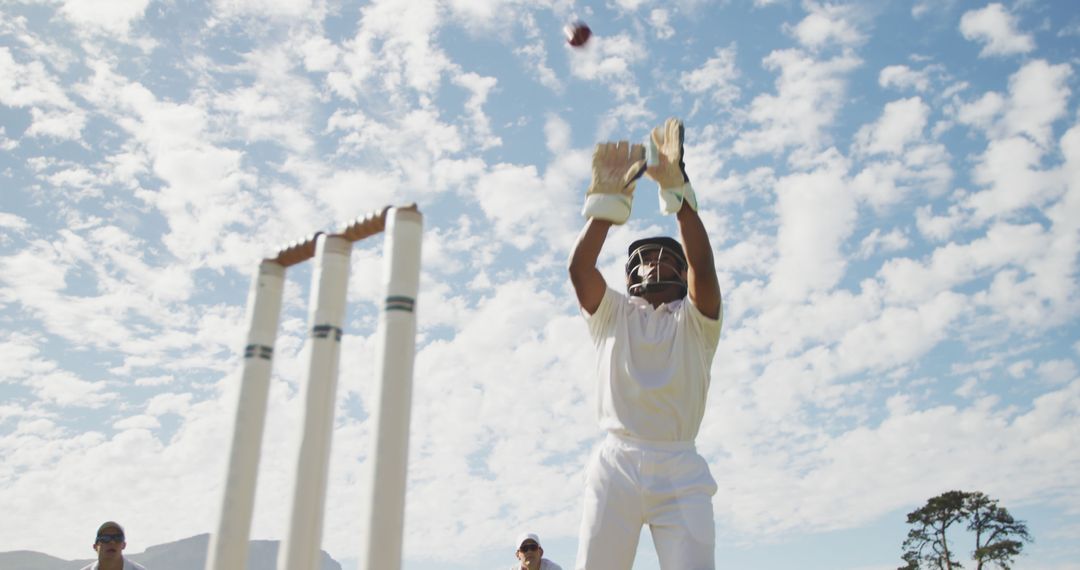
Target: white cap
x,y
528,536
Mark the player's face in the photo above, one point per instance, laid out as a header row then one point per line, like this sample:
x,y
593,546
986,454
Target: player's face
x,y
110,544
656,274
529,554
655,266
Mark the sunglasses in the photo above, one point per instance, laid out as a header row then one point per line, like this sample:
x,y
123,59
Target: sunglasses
x,y
107,538
529,547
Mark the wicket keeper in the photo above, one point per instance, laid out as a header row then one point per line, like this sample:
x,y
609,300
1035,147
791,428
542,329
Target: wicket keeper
x,y
654,346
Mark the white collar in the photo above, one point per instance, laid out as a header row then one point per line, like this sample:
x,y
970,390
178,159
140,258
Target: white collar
x,y
671,307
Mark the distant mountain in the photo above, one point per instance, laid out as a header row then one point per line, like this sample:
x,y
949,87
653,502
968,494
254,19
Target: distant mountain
x,y
30,560
185,554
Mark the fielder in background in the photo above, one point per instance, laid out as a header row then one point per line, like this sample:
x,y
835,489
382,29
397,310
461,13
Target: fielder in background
x,y
654,350
110,545
530,554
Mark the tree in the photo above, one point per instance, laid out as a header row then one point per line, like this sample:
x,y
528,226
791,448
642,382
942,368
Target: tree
x,y
926,542
998,536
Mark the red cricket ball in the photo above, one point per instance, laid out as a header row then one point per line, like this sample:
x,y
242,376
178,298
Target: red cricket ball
x,y
577,34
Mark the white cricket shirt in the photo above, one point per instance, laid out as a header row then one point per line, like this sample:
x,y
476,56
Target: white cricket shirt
x,y
545,564
128,565
652,366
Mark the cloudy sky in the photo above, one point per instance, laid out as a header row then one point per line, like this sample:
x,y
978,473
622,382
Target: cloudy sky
x,y
892,190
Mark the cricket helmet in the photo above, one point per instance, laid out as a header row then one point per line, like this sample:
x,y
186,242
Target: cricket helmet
x,y
669,252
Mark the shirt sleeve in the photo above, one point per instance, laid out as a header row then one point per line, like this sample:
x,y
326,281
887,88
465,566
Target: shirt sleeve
x,y
707,328
602,322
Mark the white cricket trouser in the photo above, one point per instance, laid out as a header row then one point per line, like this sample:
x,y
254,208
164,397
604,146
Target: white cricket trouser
x,y
666,485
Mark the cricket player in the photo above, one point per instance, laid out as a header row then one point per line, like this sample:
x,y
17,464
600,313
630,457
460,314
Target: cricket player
x,y
109,542
530,554
654,345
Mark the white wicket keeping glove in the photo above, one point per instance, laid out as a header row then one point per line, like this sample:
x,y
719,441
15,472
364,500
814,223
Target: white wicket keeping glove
x,y
615,170
668,169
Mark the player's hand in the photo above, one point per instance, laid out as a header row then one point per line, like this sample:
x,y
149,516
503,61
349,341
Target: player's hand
x,y
669,170
615,170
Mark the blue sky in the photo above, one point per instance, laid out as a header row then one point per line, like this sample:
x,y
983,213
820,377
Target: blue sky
x,y
892,191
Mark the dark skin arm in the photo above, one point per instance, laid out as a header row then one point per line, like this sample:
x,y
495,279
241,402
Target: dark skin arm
x,y
702,283
589,284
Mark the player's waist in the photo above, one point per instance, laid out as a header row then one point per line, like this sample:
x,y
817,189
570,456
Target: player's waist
x,y
622,439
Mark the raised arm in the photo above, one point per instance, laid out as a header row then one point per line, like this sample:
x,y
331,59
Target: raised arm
x,y
615,169
677,197
702,283
589,284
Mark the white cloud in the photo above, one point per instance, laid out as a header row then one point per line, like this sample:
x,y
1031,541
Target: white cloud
x,y
876,242
906,280
29,84
889,454
660,21
338,190
1020,369
901,123
137,422
899,334
938,228
20,354
717,78
816,214
480,125
968,389
65,389
519,200
275,106
395,43
56,471
155,380
809,94
1010,169
753,465
199,202
409,28
1057,372
995,28
1070,30
38,427
1038,97
609,59
117,296
828,24
903,77
13,222
1020,128
535,54
319,53
923,7
284,9
415,157
630,116
706,154
7,144
557,134
982,113
107,16
903,161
